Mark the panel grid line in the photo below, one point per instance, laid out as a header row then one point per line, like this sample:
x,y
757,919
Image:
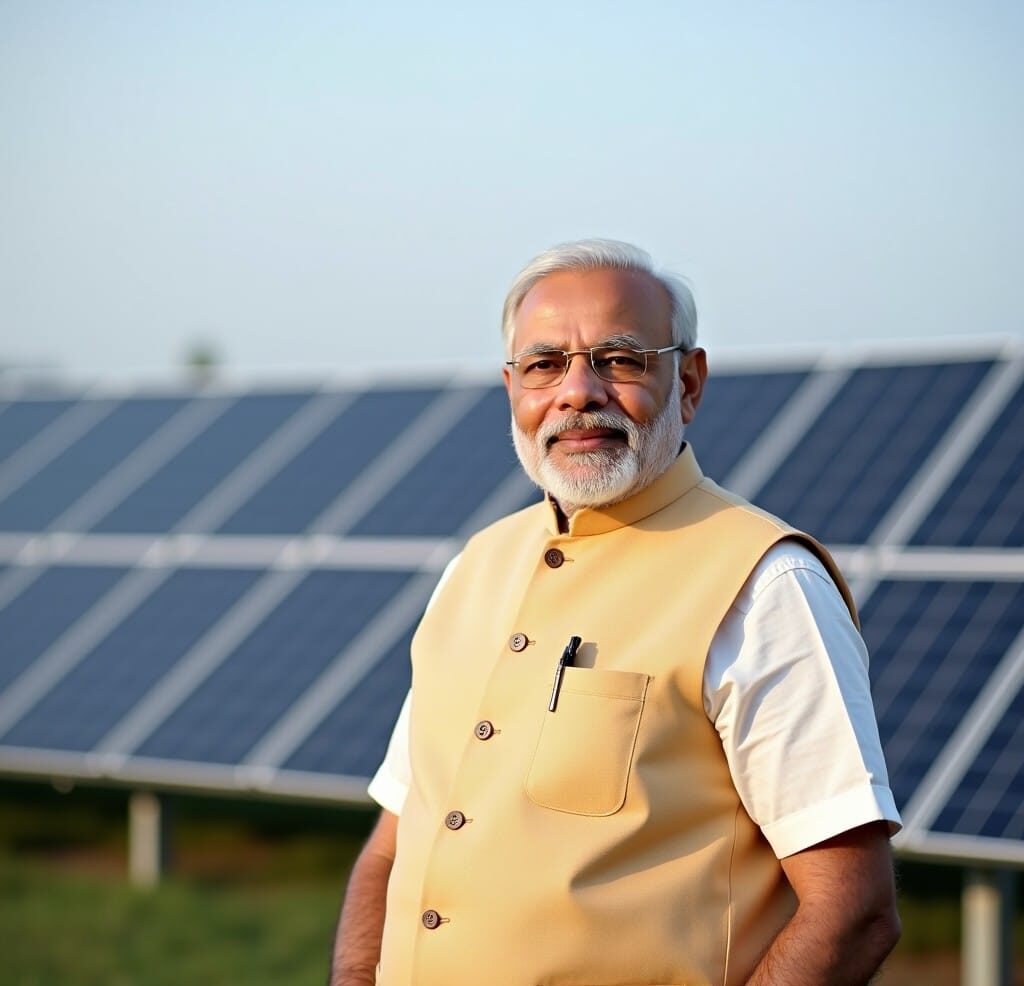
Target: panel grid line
x,y
408,448
262,463
943,465
57,437
935,474
197,665
165,443
344,672
976,725
783,435
26,555
46,671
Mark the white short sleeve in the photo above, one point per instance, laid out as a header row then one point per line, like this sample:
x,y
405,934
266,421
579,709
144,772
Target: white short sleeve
x,y
786,685
391,783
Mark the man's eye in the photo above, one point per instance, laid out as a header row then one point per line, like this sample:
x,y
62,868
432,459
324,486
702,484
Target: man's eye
x,y
541,363
622,359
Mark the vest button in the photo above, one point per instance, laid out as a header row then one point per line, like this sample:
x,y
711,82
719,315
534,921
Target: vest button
x,y
455,820
484,730
518,642
553,558
431,919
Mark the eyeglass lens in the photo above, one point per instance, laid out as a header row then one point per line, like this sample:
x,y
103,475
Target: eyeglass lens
x,y
549,368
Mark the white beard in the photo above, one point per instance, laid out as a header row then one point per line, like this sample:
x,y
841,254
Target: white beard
x,y
607,475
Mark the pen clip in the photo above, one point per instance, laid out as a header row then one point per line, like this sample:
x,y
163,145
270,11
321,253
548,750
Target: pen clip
x,y
568,659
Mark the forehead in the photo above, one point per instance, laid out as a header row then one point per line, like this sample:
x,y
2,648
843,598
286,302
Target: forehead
x,y
573,307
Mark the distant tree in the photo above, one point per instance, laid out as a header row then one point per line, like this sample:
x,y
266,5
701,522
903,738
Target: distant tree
x,y
201,361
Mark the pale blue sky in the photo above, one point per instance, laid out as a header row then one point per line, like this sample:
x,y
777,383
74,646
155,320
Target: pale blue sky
x,y
333,186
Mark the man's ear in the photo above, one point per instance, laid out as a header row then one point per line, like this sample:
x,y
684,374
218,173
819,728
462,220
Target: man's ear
x,y
506,373
693,371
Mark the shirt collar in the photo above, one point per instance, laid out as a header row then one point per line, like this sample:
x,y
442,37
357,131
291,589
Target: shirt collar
x,y
678,479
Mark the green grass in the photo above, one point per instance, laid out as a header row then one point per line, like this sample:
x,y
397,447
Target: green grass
x,y
252,897
96,931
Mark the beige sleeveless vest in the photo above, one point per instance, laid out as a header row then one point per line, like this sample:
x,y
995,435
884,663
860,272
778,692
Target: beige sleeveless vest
x,y
602,843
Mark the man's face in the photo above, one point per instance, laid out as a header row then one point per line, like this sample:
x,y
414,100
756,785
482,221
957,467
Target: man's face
x,y
588,441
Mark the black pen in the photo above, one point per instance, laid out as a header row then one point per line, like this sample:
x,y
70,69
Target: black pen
x,y
567,659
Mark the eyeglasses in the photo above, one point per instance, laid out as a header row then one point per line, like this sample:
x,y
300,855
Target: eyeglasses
x,y
615,364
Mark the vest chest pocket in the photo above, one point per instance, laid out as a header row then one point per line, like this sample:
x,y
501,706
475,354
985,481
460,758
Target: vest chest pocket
x,y
585,750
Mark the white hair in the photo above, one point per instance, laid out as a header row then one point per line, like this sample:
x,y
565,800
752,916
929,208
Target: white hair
x,y
598,254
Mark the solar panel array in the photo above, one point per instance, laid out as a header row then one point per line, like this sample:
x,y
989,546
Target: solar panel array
x,y
217,589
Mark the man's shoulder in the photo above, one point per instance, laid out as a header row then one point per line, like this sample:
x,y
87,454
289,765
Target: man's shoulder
x,y
790,549
723,497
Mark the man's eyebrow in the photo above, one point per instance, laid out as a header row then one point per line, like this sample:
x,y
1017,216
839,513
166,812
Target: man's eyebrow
x,y
618,341
622,341
539,347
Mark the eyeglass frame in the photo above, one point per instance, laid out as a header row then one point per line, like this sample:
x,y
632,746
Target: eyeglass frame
x,y
570,353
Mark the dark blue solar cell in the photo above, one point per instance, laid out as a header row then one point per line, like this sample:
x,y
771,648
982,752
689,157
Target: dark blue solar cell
x,y
990,798
353,738
159,503
254,687
100,690
443,489
307,486
732,414
866,446
984,506
47,494
44,610
933,646
21,421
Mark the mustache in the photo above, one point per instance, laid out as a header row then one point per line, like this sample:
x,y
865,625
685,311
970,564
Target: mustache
x,y
580,420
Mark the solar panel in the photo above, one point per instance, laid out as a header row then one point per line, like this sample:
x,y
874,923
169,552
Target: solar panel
x,y
92,698
867,445
734,411
444,488
933,646
984,506
23,420
44,610
989,801
226,715
351,739
219,590
300,492
163,499
45,495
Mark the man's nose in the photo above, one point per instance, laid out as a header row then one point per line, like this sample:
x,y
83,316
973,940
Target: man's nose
x,y
581,388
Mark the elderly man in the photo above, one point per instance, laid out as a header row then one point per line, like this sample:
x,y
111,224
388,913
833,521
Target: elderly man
x,y
640,747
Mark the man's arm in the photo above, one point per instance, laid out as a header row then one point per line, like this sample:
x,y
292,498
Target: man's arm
x,y
846,921
357,941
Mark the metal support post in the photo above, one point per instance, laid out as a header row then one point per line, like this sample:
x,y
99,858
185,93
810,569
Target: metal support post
x,y
987,914
148,838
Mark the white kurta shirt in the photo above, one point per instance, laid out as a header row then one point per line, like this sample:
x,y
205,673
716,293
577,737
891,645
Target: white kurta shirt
x,y
786,685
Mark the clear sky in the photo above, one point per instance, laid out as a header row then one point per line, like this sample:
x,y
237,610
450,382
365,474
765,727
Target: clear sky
x,y
333,186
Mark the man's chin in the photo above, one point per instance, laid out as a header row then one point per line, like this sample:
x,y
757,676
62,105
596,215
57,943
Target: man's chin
x,y
584,472
588,480
585,464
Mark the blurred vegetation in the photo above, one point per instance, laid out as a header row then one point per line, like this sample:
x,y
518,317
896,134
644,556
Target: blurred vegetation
x,y
202,359
88,931
254,893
